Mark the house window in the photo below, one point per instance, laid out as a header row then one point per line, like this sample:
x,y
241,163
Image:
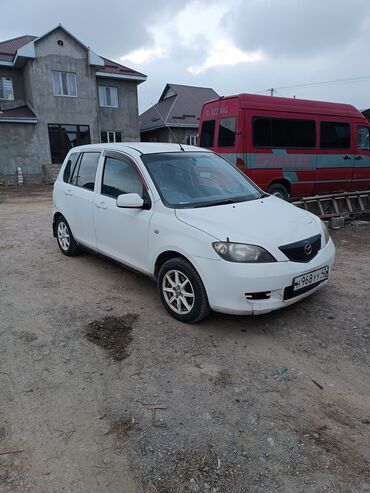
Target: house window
x,y
110,136
63,137
191,140
108,96
64,84
6,88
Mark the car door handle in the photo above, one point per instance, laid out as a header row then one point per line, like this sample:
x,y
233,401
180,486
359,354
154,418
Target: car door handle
x,y
101,205
68,192
358,157
346,158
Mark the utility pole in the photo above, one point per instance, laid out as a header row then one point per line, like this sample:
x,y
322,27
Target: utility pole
x,y
272,90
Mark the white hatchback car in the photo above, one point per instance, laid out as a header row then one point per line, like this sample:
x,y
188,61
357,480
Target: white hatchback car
x,y
189,219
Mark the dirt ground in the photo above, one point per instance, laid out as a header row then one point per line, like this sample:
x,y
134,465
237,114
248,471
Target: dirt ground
x,y
101,391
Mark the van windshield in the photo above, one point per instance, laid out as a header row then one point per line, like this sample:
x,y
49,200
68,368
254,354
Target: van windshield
x,y
198,179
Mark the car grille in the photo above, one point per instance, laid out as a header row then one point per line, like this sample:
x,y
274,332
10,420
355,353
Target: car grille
x,y
302,251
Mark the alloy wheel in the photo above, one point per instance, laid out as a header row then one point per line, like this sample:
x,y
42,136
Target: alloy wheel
x,y
178,292
63,236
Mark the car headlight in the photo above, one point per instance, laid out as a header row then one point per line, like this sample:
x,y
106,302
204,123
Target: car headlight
x,y
240,252
326,233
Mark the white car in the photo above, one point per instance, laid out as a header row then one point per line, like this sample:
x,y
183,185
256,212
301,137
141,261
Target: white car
x,y
189,219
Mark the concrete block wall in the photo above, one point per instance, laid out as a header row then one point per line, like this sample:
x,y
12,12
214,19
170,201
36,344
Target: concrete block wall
x,y
27,145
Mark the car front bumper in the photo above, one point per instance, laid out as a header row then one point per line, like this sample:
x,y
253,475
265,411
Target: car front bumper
x,y
228,283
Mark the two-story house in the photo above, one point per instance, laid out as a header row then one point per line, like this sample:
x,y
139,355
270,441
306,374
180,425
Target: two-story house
x,y
56,93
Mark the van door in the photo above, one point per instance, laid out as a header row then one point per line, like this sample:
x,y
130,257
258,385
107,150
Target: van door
x,y
334,165
228,133
282,152
361,167
226,138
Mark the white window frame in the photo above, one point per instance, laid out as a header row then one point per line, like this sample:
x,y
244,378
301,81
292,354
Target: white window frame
x,y
9,81
102,90
192,140
58,91
114,132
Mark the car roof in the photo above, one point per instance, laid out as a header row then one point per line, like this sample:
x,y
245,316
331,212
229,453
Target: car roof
x,y
135,148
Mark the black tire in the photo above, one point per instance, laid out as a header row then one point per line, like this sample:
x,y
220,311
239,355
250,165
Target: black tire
x,y
199,307
68,247
278,190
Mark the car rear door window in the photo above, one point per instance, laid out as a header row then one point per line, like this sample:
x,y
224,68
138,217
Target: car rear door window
x,y
85,176
120,177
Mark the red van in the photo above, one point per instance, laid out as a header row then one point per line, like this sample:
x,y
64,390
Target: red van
x,y
290,147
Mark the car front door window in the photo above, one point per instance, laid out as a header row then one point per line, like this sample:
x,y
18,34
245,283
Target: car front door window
x,y
119,177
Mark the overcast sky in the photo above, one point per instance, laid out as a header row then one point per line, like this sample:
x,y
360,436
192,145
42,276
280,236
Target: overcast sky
x,y
232,46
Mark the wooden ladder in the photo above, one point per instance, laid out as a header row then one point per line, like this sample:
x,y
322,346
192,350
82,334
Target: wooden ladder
x,y
347,204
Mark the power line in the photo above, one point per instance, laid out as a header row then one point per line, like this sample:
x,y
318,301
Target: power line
x,y
316,84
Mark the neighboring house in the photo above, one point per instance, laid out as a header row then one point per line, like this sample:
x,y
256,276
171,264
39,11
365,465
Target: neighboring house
x,y
179,108
366,114
56,93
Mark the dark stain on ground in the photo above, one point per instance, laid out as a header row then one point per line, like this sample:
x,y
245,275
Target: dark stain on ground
x,y
113,334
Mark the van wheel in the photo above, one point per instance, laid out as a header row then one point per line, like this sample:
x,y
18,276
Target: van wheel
x,y
66,242
278,190
182,292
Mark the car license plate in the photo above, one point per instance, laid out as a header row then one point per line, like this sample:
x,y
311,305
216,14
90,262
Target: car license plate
x,y
313,277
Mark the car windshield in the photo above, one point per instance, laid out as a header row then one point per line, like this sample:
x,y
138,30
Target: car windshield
x,y
197,179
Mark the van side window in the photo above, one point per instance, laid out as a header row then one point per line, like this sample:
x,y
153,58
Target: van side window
x,y
363,138
335,135
84,175
70,166
207,133
226,132
284,132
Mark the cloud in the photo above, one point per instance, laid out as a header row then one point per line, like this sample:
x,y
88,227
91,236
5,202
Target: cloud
x,y
225,53
190,32
291,28
143,55
234,46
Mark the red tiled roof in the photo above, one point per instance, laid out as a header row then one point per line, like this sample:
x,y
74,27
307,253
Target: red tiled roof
x,y
115,68
9,47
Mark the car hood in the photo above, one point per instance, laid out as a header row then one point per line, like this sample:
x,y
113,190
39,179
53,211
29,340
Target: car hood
x,y
265,222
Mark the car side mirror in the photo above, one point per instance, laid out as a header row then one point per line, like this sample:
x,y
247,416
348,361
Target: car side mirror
x,y
132,200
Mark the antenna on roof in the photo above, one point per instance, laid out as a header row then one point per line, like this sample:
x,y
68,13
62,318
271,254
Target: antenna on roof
x,y
167,126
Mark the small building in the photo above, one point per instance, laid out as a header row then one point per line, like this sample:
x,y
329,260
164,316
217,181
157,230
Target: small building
x,y
366,114
56,93
175,117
